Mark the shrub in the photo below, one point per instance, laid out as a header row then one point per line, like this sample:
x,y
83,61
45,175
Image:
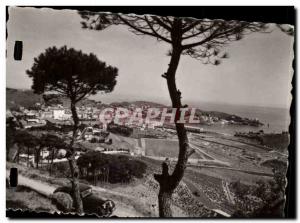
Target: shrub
x,y
93,140
63,201
109,142
118,129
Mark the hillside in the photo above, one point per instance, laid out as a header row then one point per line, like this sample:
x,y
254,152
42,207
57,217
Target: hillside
x,y
138,104
26,98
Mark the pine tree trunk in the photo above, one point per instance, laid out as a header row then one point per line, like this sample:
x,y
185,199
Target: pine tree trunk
x,y
27,156
72,163
75,119
75,185
52,158
37,159
18,155
164,204
168,183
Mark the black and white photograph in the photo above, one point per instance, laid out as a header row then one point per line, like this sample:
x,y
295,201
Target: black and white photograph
x,y
138,115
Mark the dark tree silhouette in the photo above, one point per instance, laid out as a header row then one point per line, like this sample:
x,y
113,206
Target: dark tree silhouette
x,y
74,75
52,143
201,39
27,142
52,99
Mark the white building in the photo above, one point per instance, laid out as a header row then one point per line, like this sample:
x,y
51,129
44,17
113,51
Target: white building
x,y
58,114
67,116
151,124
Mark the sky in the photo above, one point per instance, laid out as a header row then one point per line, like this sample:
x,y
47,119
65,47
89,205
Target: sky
x,y
257,72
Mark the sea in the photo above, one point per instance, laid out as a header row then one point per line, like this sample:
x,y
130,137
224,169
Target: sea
x,y
275,119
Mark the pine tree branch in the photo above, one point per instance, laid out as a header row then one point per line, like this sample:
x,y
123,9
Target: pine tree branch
x,y
140,30
161,23
156,33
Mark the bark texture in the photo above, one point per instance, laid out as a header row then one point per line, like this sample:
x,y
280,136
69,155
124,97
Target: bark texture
x,y
165,201
72,163
168,183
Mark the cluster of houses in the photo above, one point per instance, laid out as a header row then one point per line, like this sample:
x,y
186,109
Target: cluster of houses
x,y
89,114
60,113
92,134
57,113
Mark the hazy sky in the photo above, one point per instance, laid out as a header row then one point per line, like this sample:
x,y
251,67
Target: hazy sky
x,y
258,71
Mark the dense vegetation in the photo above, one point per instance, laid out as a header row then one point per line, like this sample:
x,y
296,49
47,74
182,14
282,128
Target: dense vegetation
x,y
264,200
96,166
278,141
118,129
62,128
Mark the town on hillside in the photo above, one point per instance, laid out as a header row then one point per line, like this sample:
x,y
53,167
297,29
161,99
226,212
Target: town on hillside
x,y
87,133
147,142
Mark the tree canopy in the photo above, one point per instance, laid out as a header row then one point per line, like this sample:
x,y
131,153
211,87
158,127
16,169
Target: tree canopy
x,y
23,138
71,73
201,39
52,141
120,168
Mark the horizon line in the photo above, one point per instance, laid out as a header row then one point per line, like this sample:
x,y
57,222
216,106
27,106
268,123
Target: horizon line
x,y
188,101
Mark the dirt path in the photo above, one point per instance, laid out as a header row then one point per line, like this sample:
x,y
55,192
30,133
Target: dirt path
x,y
36,185
123,208
198,148
106,191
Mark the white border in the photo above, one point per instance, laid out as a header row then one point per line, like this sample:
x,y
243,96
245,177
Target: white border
x,y
3,3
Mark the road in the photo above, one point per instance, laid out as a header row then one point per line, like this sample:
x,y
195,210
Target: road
x,y
122,210
35,185
213,159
